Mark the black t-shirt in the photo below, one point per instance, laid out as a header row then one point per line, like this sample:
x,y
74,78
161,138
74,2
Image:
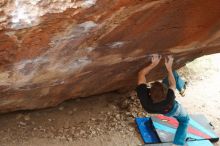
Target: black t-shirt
x,y
162,107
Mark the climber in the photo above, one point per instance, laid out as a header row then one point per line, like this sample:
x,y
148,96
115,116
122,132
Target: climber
x,y
160,98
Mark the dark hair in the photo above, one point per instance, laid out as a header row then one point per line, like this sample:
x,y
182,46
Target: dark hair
x,y
158,91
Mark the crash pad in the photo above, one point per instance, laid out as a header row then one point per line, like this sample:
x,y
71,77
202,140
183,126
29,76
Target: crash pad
x,y
189,143
146,130
199,128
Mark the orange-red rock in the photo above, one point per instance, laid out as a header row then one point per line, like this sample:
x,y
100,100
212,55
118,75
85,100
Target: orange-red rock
x,y
51,51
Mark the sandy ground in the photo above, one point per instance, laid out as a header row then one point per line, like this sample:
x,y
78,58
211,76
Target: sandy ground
x,y
108,119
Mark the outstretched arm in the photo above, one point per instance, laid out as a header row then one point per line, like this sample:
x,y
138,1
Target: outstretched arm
x,y
143,72
171,79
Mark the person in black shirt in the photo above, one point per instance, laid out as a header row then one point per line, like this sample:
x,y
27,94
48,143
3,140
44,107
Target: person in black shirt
x,y
160,98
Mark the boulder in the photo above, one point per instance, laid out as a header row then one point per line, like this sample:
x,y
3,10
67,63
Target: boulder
x,y
51,51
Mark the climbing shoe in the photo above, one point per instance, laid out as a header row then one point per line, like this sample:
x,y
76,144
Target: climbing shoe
x,y
182,92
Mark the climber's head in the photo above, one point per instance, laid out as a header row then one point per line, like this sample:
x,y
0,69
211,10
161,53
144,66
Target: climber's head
x,y
158,91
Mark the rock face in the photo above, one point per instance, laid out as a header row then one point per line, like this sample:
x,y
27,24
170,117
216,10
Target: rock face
x,y
51,51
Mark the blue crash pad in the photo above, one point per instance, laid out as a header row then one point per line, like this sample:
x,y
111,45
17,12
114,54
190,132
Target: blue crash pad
x,y
189,143
151,133
146,130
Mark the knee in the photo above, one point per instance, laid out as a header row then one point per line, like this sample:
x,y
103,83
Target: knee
x,y
175,74
184,120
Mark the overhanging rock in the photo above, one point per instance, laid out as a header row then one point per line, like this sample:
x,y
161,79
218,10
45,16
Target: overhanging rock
x,y
51,51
